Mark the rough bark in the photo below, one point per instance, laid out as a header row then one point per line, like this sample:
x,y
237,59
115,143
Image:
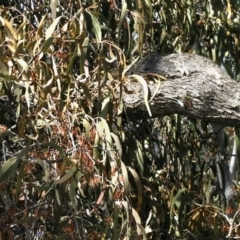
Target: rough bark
x,y
194,86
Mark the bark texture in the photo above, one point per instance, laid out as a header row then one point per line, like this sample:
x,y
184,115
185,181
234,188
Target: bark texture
x,y
194,86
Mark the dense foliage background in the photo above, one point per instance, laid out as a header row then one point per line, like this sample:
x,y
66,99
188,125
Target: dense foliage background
x,y
73,165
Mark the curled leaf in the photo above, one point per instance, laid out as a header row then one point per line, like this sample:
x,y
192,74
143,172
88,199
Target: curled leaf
x,y
141,80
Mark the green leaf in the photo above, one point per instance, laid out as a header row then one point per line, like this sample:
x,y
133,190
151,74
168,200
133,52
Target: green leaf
x,y
20,177
115,224
141,80
87,126
55,146
6,77
52,28
8,169
96,151
44,166
70,64
9,27
105,107
173,201
104,130
40,32
23,152
20,30
27,86
143,231
62,237
72,193
83,49
6,134
182,211
96,27
122,18
67,176
47,44
139,186
3,68
125,179
118,144
57,196
25,220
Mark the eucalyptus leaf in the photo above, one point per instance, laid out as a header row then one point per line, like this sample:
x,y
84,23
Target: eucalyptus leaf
x,y
47,44
8,169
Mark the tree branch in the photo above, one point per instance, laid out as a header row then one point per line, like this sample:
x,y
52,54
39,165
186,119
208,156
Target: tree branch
x,y
195,87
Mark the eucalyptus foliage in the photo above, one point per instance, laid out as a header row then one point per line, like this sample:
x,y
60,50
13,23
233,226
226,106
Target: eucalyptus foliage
x,y
73,165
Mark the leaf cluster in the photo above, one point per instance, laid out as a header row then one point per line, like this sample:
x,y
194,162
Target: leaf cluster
x,y
73,166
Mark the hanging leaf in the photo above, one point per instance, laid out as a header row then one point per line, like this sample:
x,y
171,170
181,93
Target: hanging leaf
x,y
8,169
127,185
122,18
53,6
47,44
40,32
54,146
105,107
141,80
23,64
96,27
9,27
52,27
67,176
139,186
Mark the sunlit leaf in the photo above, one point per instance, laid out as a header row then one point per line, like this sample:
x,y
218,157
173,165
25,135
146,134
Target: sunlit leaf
x,y
105,107
104,131
20,30
52,27
23,64
96,27
143,231
137,220
9,27
53,6
96,152
40,32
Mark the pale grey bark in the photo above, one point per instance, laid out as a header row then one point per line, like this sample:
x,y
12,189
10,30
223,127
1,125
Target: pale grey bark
x,y
194,86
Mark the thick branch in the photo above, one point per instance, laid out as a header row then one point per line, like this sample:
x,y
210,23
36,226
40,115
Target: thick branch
x,y
195,87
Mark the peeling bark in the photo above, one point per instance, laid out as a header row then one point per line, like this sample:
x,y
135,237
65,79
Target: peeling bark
x,y
194,86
